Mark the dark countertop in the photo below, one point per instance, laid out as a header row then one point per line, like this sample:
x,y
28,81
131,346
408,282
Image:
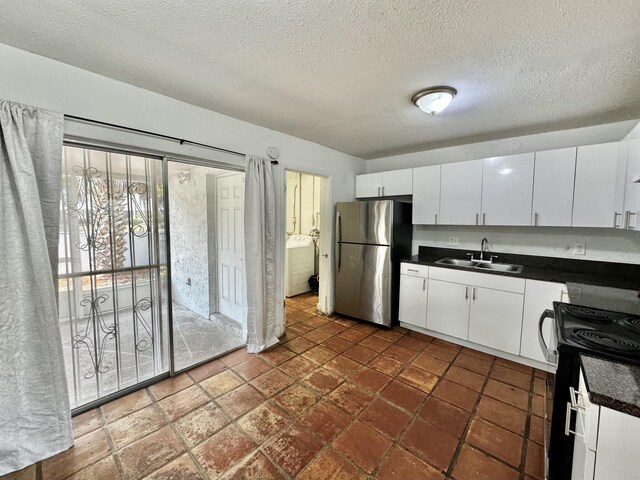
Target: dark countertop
x,y
606,285
611,384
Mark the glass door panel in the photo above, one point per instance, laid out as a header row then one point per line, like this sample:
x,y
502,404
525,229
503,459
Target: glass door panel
x,y
112,272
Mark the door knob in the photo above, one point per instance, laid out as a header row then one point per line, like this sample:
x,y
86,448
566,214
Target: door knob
x,y
325,255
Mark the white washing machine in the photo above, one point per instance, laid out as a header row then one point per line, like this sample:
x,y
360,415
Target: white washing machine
x,y
298,265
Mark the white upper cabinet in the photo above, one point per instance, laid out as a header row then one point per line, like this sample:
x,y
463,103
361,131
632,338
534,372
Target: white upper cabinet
x,y
507,189
384,184
426,195
596,187
632,187
553,187
369,185
397,182
461,193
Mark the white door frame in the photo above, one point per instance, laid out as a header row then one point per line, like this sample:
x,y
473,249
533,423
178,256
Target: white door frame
x,y
326,300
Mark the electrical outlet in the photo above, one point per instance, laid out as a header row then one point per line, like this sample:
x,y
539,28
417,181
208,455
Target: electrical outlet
x,y
453,241
579,248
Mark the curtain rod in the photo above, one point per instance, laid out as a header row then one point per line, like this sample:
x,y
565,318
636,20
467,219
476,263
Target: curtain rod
x,y
181,141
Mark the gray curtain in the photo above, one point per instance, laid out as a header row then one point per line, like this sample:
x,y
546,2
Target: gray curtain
x,y
260,254
35,421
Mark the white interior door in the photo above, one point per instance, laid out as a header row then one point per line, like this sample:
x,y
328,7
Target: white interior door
x,y
230,226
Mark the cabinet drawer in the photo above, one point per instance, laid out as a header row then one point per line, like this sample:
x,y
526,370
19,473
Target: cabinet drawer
x,y
496,282
414,270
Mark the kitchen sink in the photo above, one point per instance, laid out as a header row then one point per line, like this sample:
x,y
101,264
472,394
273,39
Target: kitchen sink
x,y
500,267
457,262
497,267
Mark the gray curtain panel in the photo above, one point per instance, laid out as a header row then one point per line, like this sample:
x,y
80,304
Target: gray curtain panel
x,y
35,420
260,254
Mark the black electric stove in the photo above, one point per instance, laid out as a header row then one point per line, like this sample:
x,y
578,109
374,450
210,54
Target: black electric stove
x,y
601,333
596,332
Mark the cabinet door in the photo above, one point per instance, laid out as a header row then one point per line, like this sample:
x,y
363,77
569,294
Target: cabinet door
x,y
369,185
595,187
584,455
397,182
426,195
413,300
553,187
448,308
460,193
496,319
618,446
632,189
538,297
507,189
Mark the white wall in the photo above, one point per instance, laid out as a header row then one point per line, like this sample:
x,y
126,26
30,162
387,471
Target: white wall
x,y
188,208
304,195
601,244
39,81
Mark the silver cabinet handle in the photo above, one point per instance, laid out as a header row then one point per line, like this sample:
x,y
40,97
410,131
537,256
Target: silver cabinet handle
x,y
378,191
436,219
412,270
424,284
627,220
535,219
477,214
615,219
466,293
484,218
474,294
383,191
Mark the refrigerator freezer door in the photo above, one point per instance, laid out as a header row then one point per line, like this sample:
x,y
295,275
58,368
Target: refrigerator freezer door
x,y
363,282
365,222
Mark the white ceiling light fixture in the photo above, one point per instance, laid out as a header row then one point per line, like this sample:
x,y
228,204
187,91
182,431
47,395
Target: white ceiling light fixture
x,y
434,99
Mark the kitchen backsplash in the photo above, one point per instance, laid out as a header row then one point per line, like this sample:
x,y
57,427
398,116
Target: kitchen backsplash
x,y
601,244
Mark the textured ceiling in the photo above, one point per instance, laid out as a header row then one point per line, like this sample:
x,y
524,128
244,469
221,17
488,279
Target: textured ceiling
x,y
341,73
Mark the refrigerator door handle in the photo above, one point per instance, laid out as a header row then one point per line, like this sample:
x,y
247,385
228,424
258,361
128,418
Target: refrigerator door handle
x,y
339,226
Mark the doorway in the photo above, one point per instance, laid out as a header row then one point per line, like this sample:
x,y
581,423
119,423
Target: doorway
x,y
206,238
306,269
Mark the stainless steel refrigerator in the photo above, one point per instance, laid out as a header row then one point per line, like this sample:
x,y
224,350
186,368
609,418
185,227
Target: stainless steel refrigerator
x,y
371,239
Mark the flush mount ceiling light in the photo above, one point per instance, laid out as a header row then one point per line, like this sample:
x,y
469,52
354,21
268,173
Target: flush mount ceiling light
x,y
434,100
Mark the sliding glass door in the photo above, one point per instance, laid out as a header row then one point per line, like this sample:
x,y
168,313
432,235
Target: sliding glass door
x,y
112,273
122,303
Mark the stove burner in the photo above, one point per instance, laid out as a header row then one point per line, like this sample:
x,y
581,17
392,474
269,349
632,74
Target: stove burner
x,y
587,314
632,323
606,341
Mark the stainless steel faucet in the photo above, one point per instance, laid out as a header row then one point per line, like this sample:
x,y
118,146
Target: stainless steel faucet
x,y
484,245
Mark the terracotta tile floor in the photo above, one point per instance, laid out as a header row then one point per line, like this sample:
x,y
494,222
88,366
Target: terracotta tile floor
x,y
336,399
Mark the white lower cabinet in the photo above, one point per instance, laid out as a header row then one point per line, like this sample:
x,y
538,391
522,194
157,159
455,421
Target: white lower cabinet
x,y
495,319
618,450
538,297
448,308
496,311
607,442
413,300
